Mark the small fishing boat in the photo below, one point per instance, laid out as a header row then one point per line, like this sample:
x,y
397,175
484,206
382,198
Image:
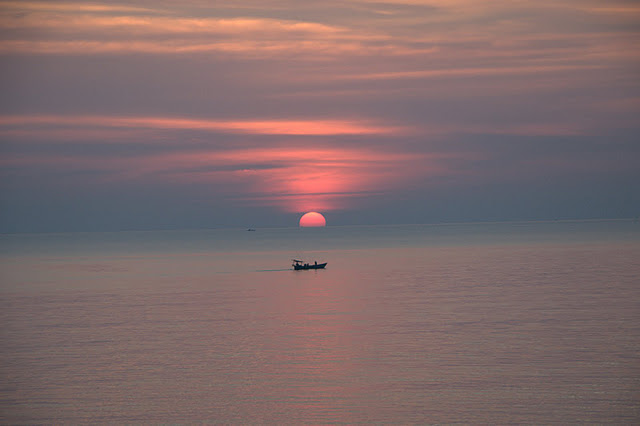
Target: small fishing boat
x,y
300,265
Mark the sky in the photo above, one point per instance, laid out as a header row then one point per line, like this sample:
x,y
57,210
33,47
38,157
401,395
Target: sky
x,y
198,114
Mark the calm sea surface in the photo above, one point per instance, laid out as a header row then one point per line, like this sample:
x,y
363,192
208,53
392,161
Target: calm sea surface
x,y
487,323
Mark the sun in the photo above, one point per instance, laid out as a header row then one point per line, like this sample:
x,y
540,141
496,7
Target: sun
x,y
312,219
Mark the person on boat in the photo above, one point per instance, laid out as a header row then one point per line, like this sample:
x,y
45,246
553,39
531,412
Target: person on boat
x,y
316,263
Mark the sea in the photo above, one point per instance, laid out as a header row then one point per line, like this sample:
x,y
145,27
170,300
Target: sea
x,y
484,323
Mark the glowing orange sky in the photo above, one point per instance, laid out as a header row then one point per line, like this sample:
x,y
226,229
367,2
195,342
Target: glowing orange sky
x,y
273,108
296,179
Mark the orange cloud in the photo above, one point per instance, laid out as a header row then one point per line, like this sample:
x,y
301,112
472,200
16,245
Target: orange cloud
x,y
57,28
68,7
145,129
466,72
446,31
96,27
260,127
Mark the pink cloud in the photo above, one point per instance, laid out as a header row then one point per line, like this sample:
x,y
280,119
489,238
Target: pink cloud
x,y
292,178
261,127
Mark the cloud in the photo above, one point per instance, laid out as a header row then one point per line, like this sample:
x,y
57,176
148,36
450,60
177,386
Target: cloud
x,y
261,127
288,106
469,72
93,25
75,7
40,28
291,177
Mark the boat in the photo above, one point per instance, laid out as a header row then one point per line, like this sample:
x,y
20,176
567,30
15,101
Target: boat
x,y
299,265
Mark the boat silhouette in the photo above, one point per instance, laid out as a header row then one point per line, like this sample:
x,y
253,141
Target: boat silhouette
x,y
299,265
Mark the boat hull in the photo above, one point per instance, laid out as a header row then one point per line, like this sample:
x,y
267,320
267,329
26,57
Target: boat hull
x,y
306,267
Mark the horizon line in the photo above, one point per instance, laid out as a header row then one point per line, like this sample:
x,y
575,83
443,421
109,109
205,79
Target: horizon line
x,y
514,222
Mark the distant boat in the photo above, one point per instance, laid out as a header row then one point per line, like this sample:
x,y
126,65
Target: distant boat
x,y
300,265
250,229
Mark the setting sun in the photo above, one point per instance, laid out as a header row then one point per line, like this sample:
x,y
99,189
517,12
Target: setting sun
x,y
312,219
